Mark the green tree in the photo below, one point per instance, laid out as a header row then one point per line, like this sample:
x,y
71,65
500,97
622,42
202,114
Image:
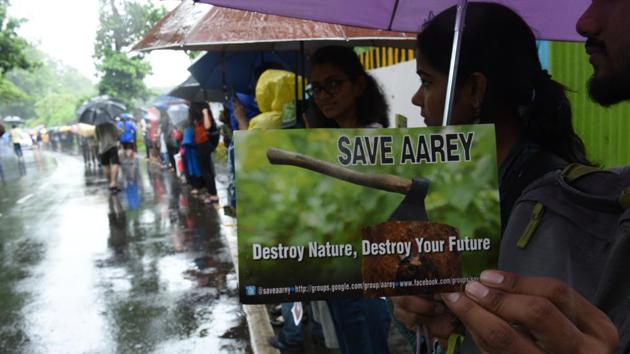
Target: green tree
x,y
39,83
122,24
12,54
56,109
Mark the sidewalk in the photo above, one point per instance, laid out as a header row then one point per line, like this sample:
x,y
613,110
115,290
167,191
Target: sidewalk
x,y
258,321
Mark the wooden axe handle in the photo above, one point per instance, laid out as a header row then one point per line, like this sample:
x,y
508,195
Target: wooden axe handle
x,y
389,183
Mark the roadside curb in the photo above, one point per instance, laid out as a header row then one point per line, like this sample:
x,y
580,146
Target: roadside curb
x,y
258,321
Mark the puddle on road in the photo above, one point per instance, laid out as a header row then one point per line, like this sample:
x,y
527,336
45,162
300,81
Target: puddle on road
x,y
140,272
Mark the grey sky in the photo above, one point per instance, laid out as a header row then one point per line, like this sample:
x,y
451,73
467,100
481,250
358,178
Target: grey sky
x,y
65,30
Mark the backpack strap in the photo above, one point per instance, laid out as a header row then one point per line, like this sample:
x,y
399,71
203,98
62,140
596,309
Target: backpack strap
x,y
624,198
532,225
534,167
576,170
570,174
454,342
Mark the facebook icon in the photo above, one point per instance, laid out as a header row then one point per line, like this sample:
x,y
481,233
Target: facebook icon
x,y
250,290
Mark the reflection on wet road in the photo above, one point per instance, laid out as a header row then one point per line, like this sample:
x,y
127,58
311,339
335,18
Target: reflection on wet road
x,y
144,271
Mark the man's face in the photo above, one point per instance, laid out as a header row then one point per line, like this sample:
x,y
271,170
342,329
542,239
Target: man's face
x,y
606,26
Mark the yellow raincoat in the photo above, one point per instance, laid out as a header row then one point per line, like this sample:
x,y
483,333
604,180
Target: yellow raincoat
x,y
275,89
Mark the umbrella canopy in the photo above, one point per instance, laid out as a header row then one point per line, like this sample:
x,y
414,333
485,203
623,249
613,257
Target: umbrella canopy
x,y
192,91
13,120
176,110
86,130
170,32
99,110
553,20
221,28
236,70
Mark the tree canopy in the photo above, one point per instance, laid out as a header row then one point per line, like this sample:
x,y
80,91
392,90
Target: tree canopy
x,y
122,24
12,53
47,94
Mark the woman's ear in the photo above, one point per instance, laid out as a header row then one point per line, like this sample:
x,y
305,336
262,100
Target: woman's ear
x,y
360,84
477,89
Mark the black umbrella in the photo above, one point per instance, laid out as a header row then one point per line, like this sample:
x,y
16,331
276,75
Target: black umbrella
x,y
99,110
13,120
192,91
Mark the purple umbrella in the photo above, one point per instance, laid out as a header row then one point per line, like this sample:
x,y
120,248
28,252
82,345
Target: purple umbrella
x,y
409,15
550,19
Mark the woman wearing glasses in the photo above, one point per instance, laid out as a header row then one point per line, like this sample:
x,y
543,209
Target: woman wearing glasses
x,y
344,94
500,81
347,97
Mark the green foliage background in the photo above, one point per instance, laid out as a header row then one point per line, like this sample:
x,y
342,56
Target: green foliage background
x,y
12,53
122,23
48,93
293,206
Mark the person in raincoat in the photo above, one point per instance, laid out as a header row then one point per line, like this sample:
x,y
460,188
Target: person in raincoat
x,y
275,92
501,81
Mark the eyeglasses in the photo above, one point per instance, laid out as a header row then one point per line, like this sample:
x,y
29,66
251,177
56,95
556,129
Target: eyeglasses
x,y
331,87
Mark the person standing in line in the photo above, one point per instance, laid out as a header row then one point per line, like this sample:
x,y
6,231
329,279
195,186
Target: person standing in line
x,y
205,127
2,131
16,136
349,97
128,137
107,138
517,95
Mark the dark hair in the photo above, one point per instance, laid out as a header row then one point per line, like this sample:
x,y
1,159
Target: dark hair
x,y
498,43
195,111
371,105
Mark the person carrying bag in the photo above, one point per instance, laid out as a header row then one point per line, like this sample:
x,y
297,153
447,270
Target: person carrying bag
x,y
205,131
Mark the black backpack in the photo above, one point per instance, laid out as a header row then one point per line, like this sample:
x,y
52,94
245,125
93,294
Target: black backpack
x,y
574,225
213,135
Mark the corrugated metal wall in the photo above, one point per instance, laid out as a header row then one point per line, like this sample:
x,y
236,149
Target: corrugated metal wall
x,y
379,57
605,131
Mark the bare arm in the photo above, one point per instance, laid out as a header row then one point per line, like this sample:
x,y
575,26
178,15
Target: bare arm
x,y
239,113
207,119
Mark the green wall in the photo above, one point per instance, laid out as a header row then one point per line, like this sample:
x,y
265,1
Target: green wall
x,y
605,131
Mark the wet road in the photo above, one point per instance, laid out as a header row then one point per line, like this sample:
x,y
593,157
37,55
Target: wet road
x,y
145,271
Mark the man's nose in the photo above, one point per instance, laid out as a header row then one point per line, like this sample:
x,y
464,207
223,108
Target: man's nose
x,y
588,25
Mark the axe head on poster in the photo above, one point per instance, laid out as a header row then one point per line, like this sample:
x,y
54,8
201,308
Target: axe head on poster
x,y
412,207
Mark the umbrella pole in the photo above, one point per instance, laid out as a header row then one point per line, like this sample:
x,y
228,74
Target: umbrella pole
x,y
225,88
295,78
452,77
303,75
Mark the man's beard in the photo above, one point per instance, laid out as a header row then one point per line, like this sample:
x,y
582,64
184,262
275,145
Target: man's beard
x,y
611,89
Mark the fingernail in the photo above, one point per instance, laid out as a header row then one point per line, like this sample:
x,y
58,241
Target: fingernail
x,y
477,290
450,297
492,277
